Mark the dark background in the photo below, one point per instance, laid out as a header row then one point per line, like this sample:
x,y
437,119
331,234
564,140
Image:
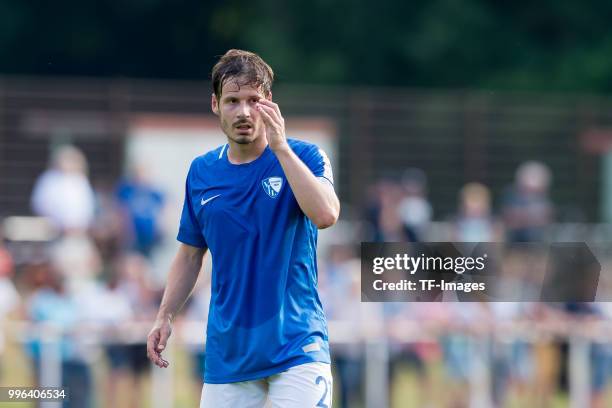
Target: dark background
x,y
465,90
518,45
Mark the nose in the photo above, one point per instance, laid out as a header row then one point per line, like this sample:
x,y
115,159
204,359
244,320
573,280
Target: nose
x,y
244,111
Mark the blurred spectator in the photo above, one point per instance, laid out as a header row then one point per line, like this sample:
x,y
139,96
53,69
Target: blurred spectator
x,y
113,309
512,359
142,204
549,357
105,309
196,317
58,314
129,282
76,258
383,214
417,355
601,359
474,222
9,298
135,284
63,193
581,315
414,208
341,295
461,347
527,209
107,229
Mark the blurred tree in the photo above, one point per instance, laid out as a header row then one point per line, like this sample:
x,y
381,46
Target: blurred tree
x,y
525,45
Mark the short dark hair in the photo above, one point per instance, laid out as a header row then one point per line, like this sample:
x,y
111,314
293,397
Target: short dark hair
x,y
246,68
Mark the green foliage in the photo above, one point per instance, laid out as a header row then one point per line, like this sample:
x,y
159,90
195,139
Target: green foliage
x,y
520,45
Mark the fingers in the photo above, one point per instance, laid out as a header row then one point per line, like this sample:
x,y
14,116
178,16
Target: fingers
x,y
151,344
270,104
271,121
272,109
266,115
163,339
152,349
274,122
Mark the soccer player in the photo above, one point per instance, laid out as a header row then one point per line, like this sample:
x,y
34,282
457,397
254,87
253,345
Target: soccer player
x,y
256,203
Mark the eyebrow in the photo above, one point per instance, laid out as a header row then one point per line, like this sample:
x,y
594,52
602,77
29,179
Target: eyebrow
x,y
246,97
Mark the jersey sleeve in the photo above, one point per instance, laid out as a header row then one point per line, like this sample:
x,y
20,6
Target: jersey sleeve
x,y
318,162
190,232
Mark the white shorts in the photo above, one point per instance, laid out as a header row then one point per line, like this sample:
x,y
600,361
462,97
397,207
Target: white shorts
x,y
304,386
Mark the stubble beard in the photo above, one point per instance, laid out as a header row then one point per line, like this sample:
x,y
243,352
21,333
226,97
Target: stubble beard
x,y
243,139
231,133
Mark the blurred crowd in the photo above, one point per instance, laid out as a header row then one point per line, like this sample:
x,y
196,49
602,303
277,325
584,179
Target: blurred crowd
x,y
523,345
92,288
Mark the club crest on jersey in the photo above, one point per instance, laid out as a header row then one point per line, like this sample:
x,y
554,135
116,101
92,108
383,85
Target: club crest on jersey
x,y
272,186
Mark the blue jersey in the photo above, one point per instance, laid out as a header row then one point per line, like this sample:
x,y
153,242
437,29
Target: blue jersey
x,y
265,314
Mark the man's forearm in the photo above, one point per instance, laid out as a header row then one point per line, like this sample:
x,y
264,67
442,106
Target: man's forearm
x,y
181,281
316,200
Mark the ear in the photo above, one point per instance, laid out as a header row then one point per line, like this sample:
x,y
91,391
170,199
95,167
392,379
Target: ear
x,y
269,96
214,104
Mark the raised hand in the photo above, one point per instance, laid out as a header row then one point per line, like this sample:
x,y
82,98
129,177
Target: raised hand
x,y
275,124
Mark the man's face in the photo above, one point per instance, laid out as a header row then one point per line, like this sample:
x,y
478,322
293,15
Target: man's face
x,y
236,108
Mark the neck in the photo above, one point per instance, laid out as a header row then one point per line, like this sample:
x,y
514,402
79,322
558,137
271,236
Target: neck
x,y
245,153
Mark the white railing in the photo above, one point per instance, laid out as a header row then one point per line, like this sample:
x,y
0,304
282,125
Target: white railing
x,y
580,335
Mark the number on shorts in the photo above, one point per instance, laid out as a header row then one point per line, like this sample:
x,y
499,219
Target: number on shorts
x,y
321,402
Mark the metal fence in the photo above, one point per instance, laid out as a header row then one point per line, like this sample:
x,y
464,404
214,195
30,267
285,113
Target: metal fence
x,y
455,136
